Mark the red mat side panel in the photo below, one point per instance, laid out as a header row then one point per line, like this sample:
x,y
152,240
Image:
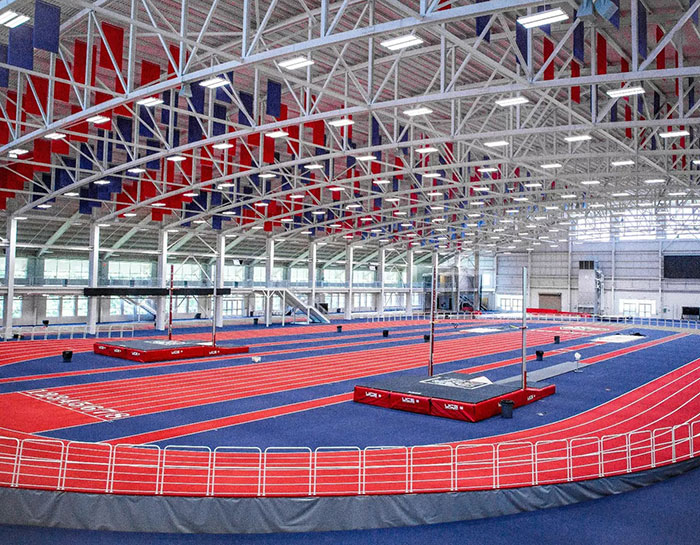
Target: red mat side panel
x,y
371,396
447,408
166,354
409,402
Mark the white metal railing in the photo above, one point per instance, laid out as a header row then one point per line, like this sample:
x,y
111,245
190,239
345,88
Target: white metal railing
x,y
52,464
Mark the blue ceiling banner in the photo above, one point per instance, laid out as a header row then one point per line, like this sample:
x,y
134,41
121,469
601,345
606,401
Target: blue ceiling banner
x,y
47,23
247,102
274,98
579,43
4,72
20,47
642,29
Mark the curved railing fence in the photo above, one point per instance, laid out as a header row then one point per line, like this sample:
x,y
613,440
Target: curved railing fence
x,y
49,464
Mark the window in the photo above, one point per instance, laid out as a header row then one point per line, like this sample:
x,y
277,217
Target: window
x,y
66,269
53,306
335,301
394,278
190,272
20,267
185,305
486,279
122,307
643,308
277,274
129,270
593,229
334,276
299,275
511,303
637,225
233,306
363,301
234,273
393,300
259,274
363,277
417,300
16,307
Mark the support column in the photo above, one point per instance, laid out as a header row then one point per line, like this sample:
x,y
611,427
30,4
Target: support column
x,y
613,252
477,283
220,268
312,274
162,303
10,254
409,279
269,266
381,279
458,282
93,274
348,281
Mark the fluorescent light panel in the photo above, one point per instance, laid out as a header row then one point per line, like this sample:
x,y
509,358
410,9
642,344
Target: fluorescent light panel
x,y
578,138
222,145
296,62
426,149
496,144
16,21
341,122
277,134
402,42
543,18
551,165
97,119
422,110
673,134
622,163
213,83
150,101
513,101
625,92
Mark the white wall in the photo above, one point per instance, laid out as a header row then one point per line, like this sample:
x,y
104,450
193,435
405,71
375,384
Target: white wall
x,y
631,269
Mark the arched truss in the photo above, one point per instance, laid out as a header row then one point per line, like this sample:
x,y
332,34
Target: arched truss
x,y
114,53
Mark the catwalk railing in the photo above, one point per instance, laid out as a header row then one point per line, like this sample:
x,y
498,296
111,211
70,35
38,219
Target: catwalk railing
x,y
183,470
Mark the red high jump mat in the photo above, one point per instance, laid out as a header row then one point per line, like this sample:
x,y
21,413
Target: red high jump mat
x,y
451,395
145,351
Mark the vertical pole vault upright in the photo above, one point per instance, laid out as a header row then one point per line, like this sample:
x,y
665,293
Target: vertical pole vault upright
x,y
170,317
433,304
524,330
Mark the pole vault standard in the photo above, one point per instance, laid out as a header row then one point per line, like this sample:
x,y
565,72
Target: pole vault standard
x,y
170,318
433,303
524,330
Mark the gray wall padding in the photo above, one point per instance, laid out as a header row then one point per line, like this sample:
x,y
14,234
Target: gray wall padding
x,y
263,515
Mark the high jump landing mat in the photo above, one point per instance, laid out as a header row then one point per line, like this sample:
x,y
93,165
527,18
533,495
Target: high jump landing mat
x,y
145,351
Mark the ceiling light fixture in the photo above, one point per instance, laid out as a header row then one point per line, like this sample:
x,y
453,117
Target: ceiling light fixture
x,y
295,63
341,122
426,149
513,101
551,165
625,92
578,138
421,110
277,134
136,170
150,101
496,144
543,18
402,42
213,83
622,163
222,145
55,136
673,134
11,19
97,119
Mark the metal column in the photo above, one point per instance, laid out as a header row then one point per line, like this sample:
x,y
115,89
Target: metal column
x,y
10,275
269,267
381,275
219,280
93,274
313,273
409,280
162,302
348,281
